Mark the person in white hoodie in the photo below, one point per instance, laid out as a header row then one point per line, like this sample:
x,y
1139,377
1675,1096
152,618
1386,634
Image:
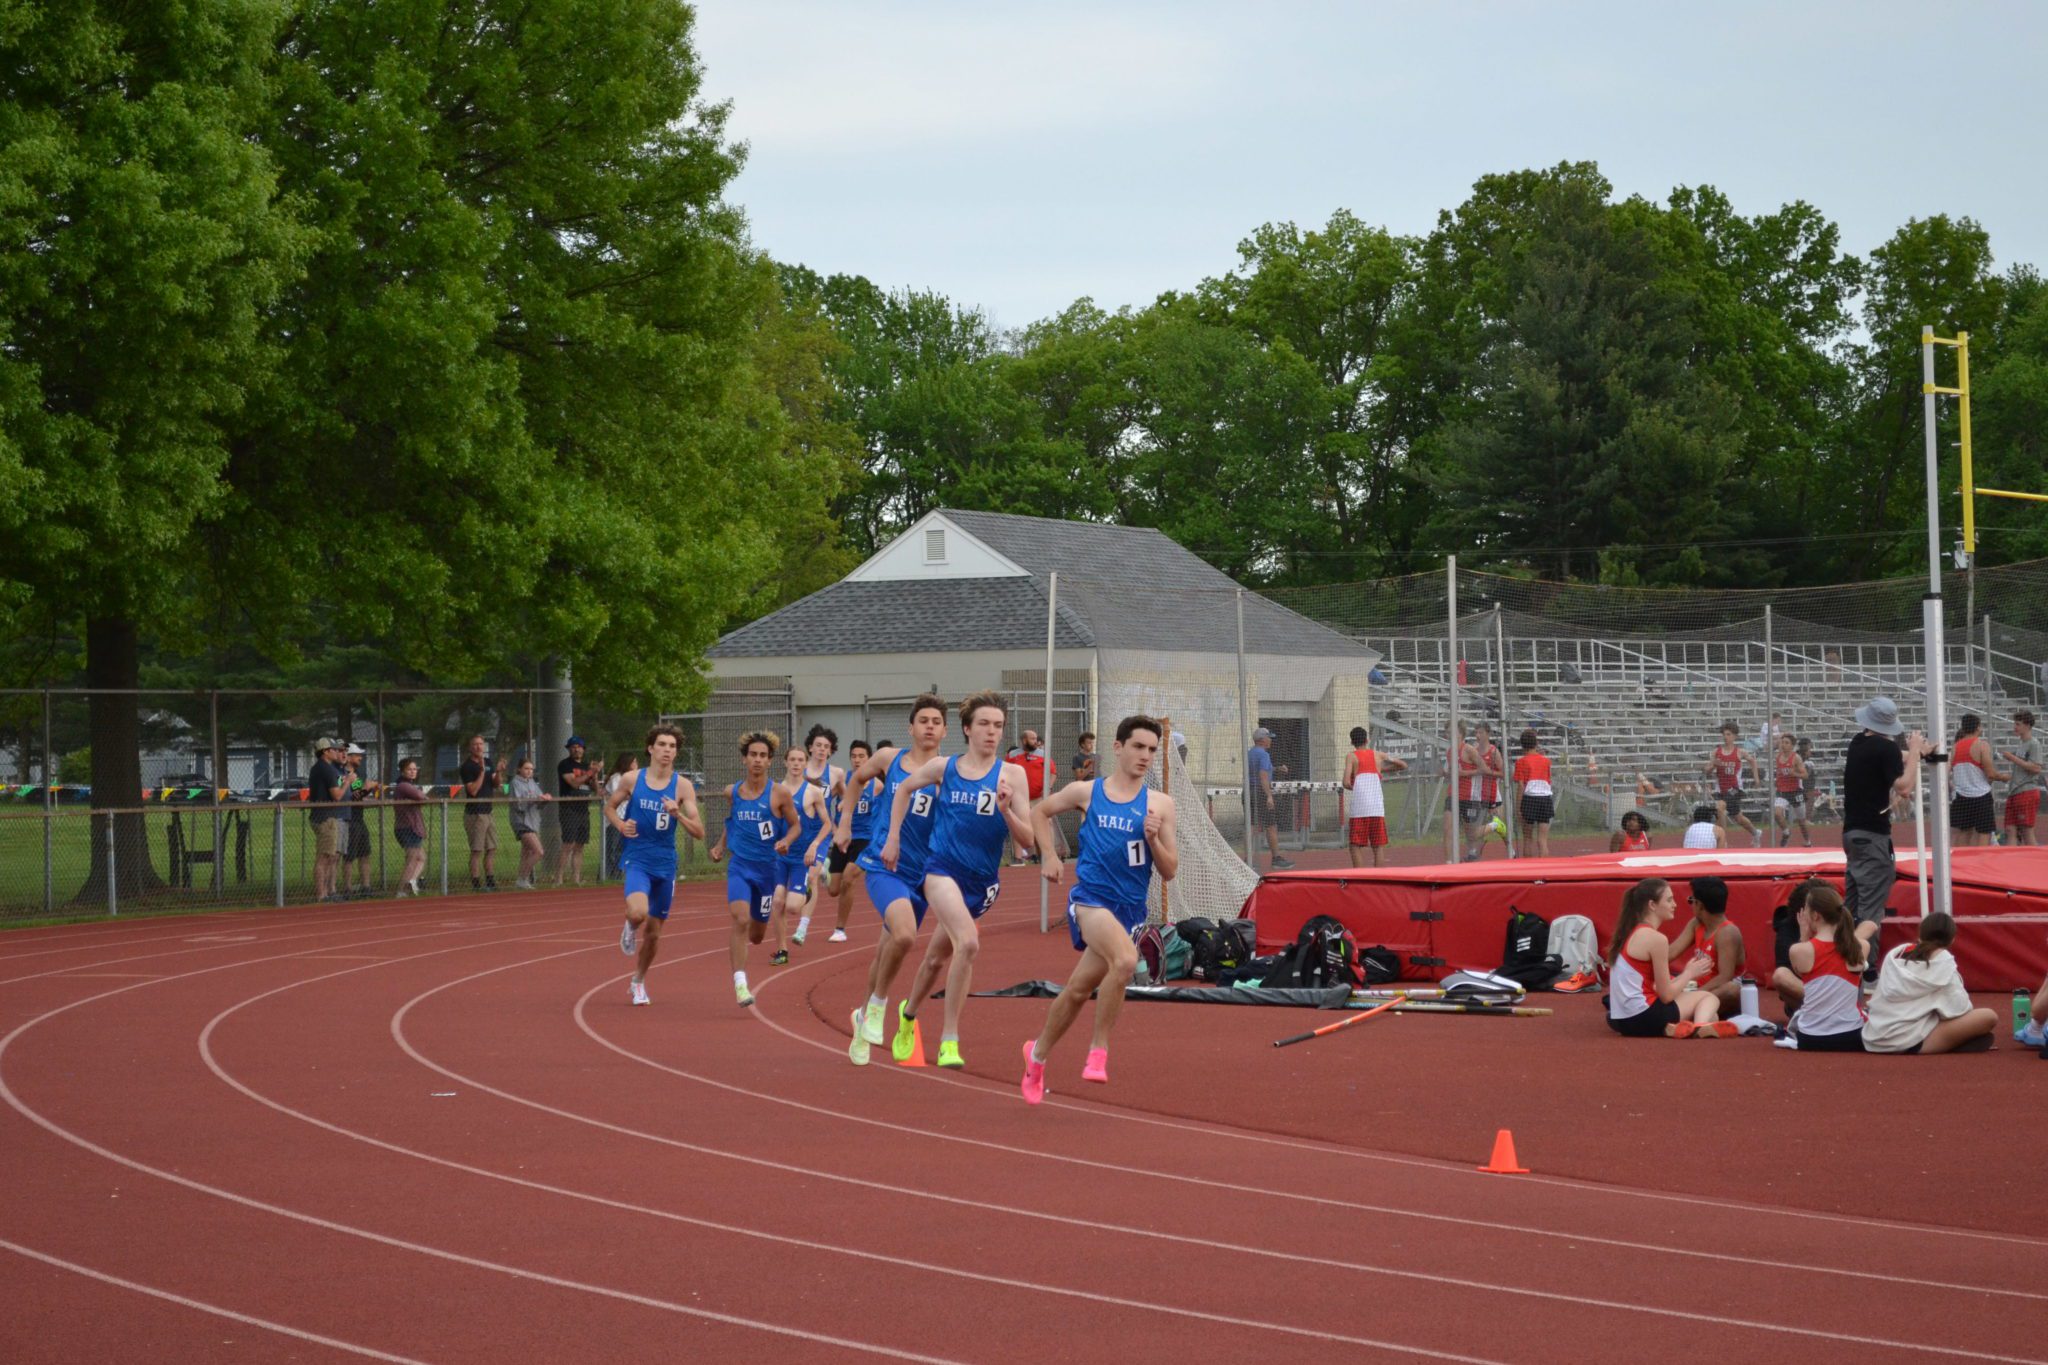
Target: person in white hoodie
x,y
1920,1004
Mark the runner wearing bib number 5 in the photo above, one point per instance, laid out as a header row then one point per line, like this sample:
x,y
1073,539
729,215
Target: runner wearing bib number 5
x,y
981,802
1127,833
646,813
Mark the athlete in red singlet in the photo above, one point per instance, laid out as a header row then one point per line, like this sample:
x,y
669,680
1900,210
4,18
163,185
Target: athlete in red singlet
x,y
1789,808
1714,941
1726,765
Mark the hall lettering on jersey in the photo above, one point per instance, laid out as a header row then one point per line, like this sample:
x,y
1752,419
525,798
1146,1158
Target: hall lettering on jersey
x,y
1122,822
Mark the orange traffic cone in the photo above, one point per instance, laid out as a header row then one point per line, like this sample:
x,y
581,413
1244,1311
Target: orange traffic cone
x,y
1503,1162
916,1057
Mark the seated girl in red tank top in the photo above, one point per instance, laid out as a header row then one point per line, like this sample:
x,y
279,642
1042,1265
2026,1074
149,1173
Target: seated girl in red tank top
x,y
1644,1000
1821,979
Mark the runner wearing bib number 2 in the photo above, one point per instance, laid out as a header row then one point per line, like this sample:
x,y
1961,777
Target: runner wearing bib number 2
x,y
758,814
647,813
981,802
1127,833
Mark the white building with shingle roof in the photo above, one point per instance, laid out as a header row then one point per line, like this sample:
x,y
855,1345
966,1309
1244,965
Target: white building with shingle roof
x,y
958,602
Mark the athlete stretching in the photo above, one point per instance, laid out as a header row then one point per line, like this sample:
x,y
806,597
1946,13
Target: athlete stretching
x,y
646,813
1127,830
758,813
897,893
796,850
839,864
982,801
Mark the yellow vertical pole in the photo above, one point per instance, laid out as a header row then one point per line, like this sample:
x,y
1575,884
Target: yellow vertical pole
x,y
1963,405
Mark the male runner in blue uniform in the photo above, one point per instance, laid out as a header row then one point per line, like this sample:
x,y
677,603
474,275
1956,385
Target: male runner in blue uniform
x,y
898,893
818,772
757,815
839,865
982,802
796,850
1127,833
646,814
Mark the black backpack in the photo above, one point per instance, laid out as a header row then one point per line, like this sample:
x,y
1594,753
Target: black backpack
x,y
1526,958
1216,948
1380,965
1324,954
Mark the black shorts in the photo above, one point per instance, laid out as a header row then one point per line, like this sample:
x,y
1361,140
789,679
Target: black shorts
x,y
1539,810
836,861
1471,812
1262,810
574,821
407,839
1732,799
358,839
1848,1040
1649,1024
1971,813
1795,804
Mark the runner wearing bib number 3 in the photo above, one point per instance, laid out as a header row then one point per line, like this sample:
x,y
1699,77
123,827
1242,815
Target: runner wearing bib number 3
x,y
1127,833
758,814
647,813
981,802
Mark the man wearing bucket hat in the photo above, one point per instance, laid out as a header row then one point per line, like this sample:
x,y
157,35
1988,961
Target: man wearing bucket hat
x,y
1879,765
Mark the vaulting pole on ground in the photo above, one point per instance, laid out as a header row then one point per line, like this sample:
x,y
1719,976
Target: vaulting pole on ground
x,y
1932,635
1451,745
1052,598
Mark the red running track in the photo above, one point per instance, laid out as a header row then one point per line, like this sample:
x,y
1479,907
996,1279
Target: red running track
x,y
434,1131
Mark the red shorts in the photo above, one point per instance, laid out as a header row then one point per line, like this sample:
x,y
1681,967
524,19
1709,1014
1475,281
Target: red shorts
x,y
1368,831
2020,808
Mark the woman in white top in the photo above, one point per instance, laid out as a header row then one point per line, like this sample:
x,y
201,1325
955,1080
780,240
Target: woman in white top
x,y
1920,1004
526,798
1703,832
1644,1000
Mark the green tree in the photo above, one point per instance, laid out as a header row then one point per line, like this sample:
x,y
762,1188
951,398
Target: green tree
x,y
2009,420
142,244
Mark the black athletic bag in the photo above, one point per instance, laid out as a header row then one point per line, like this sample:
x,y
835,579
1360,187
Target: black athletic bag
x,y
1324,954
1526,958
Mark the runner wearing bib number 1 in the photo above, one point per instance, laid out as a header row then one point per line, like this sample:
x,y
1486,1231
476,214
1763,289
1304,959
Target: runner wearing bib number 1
x,y
1127,833
982,801
646,813
758,814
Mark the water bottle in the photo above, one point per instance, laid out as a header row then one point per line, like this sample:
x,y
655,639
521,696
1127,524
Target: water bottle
x,y
1749,1000
2021,1008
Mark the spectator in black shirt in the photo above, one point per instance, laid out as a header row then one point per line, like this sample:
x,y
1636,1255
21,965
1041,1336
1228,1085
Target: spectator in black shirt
x,y
326,783
1878,767
476,817
575,784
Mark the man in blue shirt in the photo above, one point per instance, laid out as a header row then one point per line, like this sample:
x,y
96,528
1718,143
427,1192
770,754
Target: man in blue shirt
x,y
1258,772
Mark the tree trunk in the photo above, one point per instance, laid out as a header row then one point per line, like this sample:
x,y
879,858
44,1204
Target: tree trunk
x,y
113,661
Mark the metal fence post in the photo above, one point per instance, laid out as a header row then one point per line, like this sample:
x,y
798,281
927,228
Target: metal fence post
x,y
277,853
444,845
1052,597
1454,746
216,766
1767,762
49,813
1244,741
113,884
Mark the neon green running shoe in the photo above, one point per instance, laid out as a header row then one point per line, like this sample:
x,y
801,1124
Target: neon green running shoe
x,y
1500,827
906,1034
949,1052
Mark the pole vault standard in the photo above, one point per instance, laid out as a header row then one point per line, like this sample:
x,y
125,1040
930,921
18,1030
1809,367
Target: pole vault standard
x,y
1931,625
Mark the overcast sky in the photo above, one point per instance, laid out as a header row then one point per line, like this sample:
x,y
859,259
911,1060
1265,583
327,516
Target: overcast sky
x,y
1021,156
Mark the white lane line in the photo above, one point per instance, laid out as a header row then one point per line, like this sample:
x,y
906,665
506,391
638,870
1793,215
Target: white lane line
x,y
1005,1094
282,1329
51,1126
1093,1224
829,1248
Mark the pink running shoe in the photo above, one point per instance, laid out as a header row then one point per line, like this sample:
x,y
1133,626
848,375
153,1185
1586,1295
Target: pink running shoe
x,y
1034,1075
1097,1068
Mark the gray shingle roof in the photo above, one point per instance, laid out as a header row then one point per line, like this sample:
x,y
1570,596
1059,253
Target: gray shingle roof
x,y
904,617
1120,587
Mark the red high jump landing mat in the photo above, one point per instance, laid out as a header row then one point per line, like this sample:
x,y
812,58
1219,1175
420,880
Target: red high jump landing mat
x,y
1443,918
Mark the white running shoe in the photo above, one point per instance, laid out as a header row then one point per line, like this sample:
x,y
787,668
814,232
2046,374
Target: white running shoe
x,y
629,941
838,936
858,1049
640,993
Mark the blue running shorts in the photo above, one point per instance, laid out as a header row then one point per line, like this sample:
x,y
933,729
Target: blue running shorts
x,y
979,895
1131,917
658,887
886,888
753,884
793,874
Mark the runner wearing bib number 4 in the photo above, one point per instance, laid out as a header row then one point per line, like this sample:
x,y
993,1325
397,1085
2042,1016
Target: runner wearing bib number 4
x,y
646,813
981,802
1127,833
757,816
